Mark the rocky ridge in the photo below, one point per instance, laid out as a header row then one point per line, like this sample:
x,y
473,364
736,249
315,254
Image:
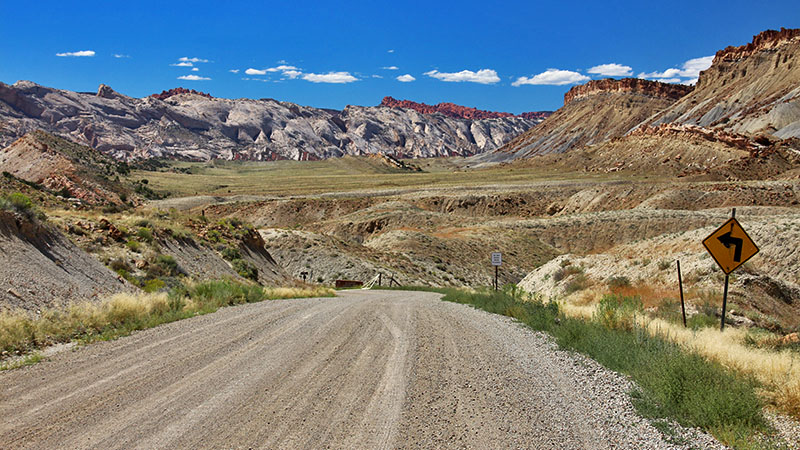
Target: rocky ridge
x,y
458,111
768,39
752,89
595,112
191,125
170,92
636,85
71,170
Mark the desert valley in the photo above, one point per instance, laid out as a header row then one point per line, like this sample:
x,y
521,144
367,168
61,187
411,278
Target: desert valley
x,y
105,195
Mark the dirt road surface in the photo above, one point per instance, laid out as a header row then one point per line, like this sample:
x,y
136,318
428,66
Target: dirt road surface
x,y
373,370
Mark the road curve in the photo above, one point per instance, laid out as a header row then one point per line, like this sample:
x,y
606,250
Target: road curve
x,y
369,369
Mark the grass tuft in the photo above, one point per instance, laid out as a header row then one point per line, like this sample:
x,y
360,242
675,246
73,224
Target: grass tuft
x,y
124,313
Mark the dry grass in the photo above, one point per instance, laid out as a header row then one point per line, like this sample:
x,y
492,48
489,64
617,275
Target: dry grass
x,y
334,175
123,313
778,371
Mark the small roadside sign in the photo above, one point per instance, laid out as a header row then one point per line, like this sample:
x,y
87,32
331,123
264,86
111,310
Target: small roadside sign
x,y
730,246
497,259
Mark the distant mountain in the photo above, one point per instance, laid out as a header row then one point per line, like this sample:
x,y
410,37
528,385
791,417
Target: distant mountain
x,y
180,123
459,112
752,89
592,113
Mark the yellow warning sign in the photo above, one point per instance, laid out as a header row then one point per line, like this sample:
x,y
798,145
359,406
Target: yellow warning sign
x,y
730,246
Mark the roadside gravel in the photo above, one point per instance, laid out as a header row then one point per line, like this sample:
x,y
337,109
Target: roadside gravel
x,y
374,369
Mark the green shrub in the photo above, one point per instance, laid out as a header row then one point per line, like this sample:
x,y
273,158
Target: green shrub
x,y
565,271
618,282
133,246
245,269
618,311
21,204
145,234
153,285
118,263
576,283
168,264
231,253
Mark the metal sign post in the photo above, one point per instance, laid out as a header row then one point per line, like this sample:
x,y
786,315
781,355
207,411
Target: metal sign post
x,y
497,261
730,246
680,286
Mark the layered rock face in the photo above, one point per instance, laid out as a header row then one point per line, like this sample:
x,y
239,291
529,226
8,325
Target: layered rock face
x,y
191,125
62,166
457,111
592,113
753,89
633,85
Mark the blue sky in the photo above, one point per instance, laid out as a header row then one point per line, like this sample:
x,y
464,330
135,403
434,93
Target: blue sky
x,y
509,56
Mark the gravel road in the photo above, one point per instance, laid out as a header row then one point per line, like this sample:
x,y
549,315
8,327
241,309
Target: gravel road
x,y
374,369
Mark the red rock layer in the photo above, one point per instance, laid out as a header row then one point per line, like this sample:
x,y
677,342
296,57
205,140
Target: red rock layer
x,y
765,40
179,90
736,140
646,87
457,111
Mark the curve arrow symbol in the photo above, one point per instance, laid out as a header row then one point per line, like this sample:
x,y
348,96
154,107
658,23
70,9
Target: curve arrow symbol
x,y
727,240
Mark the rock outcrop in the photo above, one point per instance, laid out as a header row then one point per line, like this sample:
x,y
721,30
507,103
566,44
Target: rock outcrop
x,y
633,85
753,89
70,169
177,91
190,125
43,268
766,40
592,113
457,111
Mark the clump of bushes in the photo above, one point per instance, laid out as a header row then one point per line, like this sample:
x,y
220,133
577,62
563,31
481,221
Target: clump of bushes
x,y
618,282
21,204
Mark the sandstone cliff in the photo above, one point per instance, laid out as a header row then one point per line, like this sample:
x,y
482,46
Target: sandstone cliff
x,y
457,111
191,125
753,89
592,113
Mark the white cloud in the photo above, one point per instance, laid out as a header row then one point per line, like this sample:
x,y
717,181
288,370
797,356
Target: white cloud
x,y
195,69
330,77
119,55
553,77
693,67
612,70
78,53
182,64
376,76
282,68
390,51
691,82
690,69
405,78
483,76
390,68
193,78
263,80
234,71
292,74
192,60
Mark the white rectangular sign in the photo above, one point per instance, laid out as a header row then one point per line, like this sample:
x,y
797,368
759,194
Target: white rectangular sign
x,y
497,258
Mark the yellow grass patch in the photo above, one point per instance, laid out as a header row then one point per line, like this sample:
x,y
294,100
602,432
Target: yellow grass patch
x,y
778,371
